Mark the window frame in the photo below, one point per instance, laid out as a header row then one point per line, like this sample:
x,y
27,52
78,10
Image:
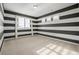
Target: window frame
x,y
24,26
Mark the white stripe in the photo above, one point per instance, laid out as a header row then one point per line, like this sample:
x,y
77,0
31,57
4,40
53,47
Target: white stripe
x,y
8,34
34,23
74,37
9,28
35,31
9,15
76,28
8,21
1,29
35,27
23,28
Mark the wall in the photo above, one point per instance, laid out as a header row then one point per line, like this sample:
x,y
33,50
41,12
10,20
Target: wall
x,y
65,28
1,25
10,26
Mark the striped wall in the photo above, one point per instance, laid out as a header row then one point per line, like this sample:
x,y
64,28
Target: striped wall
x,y
65,28
34,23
10,27
1,26
1,23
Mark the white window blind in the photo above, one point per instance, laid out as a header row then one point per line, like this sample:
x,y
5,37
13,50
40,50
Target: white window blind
x,y
21,22
27,23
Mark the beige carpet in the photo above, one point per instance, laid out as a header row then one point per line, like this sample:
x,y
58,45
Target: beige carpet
x,y
38,45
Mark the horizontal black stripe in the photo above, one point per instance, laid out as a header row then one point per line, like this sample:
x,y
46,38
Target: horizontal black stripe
x,y
35,29
71,40
61,31
58,25
9,31
35,25
9,37
9,18
69,16
61,10
23,34
14,36
6,24
36,21
16,13
24,30
36,33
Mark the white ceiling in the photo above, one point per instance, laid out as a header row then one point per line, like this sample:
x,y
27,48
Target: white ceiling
x,y
27,8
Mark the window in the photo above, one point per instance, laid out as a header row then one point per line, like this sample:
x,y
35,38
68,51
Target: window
x,y
56,17
43,20
27,23
48,19
23,22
